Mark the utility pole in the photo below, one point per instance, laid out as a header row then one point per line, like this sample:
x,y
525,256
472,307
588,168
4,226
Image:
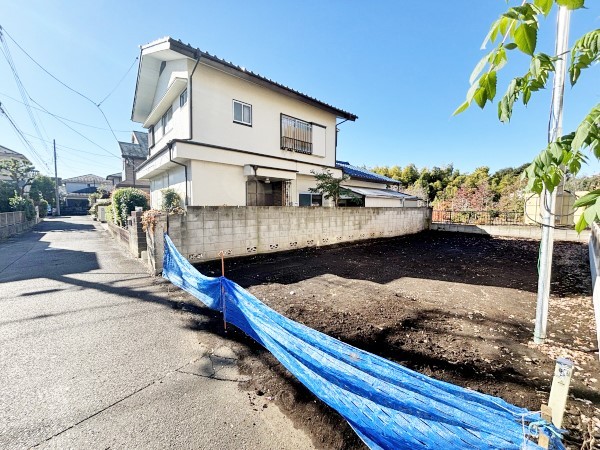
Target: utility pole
x,y
548,199
56,181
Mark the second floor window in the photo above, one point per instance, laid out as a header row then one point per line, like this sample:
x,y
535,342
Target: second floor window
x,y
296,135
242,113
183,98
166,121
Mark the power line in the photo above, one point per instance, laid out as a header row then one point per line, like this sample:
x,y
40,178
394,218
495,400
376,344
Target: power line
x,y
21,135
119,83
74,130
24,94
97,105
64,118
76,149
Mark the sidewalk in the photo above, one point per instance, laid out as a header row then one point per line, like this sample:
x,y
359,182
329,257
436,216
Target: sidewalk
x,y
93,354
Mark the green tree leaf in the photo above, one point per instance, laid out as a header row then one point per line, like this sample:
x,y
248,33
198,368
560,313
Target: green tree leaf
x,y
588,199
571,4
526,38
581,224
544,5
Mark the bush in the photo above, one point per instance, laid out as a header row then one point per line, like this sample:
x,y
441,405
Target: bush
x,y
171,200
110,217
94,209
124,201
43,208
23,204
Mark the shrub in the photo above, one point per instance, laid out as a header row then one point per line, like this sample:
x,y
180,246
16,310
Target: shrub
x,y
124,201
94,209
171,200
18,203
43,208
109,216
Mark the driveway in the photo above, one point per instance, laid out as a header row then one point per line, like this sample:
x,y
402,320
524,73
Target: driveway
x,y
93,354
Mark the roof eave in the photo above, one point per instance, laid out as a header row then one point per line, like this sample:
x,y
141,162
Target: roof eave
x,y
228,67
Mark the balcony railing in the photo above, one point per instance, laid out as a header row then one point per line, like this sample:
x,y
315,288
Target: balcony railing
x,y
296,135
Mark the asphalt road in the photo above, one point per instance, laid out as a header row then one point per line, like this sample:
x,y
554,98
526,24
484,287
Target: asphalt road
x,y
94,355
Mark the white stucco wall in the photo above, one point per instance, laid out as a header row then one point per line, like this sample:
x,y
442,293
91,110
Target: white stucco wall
x,y
214,92
217,184
173,178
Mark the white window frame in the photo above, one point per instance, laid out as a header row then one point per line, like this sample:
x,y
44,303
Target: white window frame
x,y
242,122
183,98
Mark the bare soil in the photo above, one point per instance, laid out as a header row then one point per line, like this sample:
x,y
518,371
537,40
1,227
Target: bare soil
x,y
456,307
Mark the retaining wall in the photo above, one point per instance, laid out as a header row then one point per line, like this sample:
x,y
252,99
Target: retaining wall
x,y
522,231
203,232
12,223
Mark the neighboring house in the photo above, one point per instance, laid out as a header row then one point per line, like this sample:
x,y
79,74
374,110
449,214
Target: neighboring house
x,y
222,135
134,153
114,179
77,191
7,153
372,190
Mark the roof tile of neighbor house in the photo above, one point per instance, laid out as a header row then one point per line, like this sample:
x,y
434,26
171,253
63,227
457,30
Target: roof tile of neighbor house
x,y
142,138
191,52
8,153
114,175
90,178
129,150
363,174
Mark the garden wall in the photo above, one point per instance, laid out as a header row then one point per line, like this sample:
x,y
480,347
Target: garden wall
x,y
203,232
12,223
517,231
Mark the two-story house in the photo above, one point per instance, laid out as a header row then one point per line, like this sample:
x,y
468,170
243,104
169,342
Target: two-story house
x,y
222,135
133,154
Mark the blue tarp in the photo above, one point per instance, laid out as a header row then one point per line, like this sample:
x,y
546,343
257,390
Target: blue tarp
x,y
388,405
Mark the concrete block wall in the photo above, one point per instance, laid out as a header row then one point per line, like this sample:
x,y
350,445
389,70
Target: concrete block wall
x,y
137,236
522,231
203,232
12,223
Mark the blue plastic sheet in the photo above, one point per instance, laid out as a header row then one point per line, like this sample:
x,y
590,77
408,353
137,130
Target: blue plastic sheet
x,y
388,405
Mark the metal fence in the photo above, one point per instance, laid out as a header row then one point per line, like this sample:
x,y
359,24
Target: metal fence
x,y
489,217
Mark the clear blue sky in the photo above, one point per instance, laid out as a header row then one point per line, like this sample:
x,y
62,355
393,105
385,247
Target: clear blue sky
x,y
402,67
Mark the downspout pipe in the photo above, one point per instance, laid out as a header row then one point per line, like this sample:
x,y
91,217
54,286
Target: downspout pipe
x,y
191,96
170,145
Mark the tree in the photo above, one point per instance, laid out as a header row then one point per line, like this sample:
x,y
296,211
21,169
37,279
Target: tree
x,y
329,186
43,188
518,29
21,173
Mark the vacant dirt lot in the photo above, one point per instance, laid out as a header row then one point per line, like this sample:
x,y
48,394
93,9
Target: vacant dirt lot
x,y
457,307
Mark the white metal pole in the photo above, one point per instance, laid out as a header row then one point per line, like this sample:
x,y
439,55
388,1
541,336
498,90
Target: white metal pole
x,y
547,199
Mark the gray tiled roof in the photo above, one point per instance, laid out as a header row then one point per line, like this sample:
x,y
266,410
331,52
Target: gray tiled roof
x,y
8,153
129,150
89,178
142,138
114,175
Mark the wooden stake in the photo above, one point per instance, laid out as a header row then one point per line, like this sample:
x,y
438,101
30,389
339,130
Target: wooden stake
x,y
560,390
222,255
543,439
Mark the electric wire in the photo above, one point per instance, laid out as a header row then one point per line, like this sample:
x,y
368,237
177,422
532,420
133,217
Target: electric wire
x,y
20,86
97,105
73,148
119,82
22,137
63,118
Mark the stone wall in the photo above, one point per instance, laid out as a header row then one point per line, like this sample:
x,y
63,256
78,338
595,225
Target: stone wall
x,y
12,223
203,232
